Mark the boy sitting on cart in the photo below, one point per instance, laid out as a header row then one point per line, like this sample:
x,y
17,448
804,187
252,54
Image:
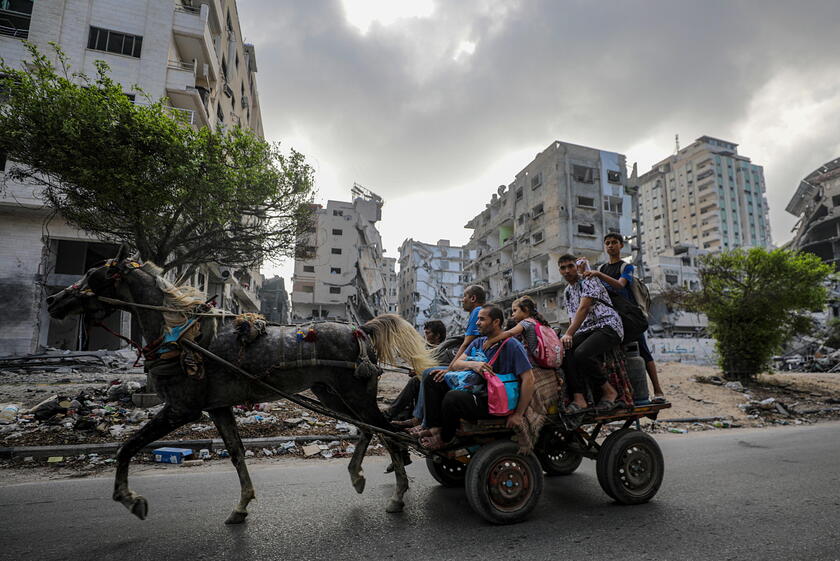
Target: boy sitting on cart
x,y
594,327
445,408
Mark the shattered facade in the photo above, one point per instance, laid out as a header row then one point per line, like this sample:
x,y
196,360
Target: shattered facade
x,y
274,300
564,201
817,204
431,283
189,52
340,268
705,195
676,268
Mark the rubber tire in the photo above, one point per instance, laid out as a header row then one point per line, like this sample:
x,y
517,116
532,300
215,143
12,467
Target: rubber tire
x,y
612,466
448,472
501,459
567,462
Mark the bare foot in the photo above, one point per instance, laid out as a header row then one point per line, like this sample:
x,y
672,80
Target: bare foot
x,y
433,442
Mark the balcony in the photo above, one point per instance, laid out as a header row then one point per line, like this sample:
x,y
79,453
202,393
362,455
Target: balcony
x,y
183,93
194,41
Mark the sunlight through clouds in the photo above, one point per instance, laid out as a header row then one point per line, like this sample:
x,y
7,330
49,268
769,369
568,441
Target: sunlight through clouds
x,y
362,13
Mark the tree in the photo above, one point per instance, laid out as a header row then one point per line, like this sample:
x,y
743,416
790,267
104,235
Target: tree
x,y
136,173
755,301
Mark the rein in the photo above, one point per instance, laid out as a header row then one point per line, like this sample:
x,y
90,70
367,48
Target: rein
x,y
114,301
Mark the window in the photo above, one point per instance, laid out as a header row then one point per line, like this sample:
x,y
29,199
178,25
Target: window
x,y
671,279
338,213
586,229
337,232
614,176
536,181
583,174
537,238
305,252
613,204
309,268
537,210
335,290
307,288
521,219
114,42
444,264
586,202
335,270
519,194
336,251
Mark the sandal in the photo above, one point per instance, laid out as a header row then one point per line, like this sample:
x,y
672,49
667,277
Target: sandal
x,y
605,406
573,409
659,399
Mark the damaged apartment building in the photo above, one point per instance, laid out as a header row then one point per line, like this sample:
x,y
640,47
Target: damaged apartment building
x,y
565,201
817,204
341,272
431,283
190,52
702,199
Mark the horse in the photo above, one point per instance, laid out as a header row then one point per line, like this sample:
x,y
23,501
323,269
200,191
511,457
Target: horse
x,y
284,357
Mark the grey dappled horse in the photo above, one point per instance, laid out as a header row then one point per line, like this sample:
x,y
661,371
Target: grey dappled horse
x,y
340,389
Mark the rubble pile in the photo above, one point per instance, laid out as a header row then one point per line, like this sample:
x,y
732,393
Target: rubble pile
x,y
68,362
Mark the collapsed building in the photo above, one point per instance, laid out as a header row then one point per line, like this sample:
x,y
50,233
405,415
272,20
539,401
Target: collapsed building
x,y
341,272
817,204
431,283
671,270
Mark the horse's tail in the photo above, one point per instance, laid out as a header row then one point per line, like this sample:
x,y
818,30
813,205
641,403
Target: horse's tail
x,y
394,337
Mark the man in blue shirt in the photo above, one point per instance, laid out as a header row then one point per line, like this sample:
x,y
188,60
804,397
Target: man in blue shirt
x,y
617,275
445,407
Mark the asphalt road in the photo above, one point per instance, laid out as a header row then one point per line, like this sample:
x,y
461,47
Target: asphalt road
x,y
760,494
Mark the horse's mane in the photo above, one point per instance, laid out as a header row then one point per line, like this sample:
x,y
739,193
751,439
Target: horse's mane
x,y
182,299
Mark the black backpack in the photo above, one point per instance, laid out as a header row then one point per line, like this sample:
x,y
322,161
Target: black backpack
x,y
632,317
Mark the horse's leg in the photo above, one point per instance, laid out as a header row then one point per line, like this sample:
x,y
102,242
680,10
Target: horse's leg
x,y
397,452
330,398
160,425
226,425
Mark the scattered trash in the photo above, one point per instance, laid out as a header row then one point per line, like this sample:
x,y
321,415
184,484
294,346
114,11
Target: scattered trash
x,y
311,450
249,453
734,386
204,454
192,463
9,413
169,455
55,459
677,431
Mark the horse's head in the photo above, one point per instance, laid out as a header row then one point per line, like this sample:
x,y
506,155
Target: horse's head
x,y
83,295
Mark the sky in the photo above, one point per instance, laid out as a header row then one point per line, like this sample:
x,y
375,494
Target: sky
x,y
433,105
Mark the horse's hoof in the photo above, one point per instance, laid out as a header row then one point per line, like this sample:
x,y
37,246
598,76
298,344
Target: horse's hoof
x,y
359,484
395,506
236,517
140,507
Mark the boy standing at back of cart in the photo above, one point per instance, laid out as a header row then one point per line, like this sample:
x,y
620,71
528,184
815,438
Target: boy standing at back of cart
x,y
617,276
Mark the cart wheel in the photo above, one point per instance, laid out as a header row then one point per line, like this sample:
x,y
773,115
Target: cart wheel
x,y
502,485
630,466
449,472
554,456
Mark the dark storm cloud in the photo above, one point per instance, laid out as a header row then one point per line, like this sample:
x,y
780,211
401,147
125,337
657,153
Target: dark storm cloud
x,y
393,109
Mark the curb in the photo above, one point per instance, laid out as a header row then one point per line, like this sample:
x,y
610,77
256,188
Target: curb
x,y
208,443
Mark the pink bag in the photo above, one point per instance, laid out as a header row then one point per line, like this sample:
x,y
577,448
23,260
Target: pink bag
x,y
549,352
502,389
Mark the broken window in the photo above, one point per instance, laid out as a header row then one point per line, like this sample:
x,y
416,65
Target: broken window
x,y
336,251
613,204
536,180
586,229
338,213
309,268
337,232
537,210
76,257
305,251
583,174
537,238
335,270
585,202
335,290
613,176
519,193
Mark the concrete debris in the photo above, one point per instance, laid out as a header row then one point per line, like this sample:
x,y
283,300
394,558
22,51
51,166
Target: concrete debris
x,y
734,386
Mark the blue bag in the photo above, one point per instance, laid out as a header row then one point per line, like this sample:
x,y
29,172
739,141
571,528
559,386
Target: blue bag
x,y
467,380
